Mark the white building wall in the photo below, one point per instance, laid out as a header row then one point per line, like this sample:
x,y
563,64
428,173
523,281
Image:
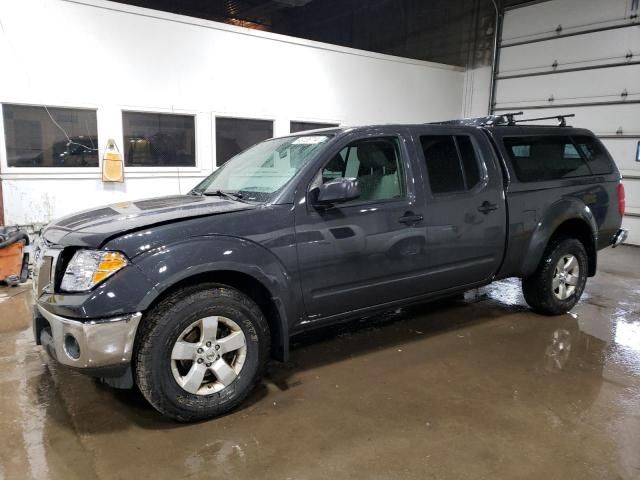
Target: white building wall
x,y
585,60
113,57
477,88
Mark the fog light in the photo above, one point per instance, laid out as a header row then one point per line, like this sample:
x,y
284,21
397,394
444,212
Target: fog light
x,y
71,346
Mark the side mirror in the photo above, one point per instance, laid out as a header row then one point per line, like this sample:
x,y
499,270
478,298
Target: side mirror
x,y
339,190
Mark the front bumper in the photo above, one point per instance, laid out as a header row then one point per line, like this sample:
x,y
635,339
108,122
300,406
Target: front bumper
x,y
102,347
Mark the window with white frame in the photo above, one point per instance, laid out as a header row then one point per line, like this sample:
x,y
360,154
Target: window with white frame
x,y
233,135
159,139
41,136
295,126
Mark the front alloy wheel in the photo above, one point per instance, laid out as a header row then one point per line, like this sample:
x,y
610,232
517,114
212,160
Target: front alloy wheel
x,y
208,355
200,351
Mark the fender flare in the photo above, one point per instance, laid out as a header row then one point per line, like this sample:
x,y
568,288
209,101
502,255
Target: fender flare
x,y
553,217
172,264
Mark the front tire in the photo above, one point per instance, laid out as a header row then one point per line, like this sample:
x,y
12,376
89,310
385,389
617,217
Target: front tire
x,y
558,282
200,352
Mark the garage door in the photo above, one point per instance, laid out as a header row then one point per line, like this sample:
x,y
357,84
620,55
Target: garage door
x,y
581,57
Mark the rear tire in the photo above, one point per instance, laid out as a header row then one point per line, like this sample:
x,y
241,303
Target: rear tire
x,y
178,360
558,282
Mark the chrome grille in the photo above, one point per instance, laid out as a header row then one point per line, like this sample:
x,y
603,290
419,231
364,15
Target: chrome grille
x,y
44,273
43,267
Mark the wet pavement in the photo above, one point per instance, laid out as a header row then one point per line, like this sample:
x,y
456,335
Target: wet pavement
x,y
474,388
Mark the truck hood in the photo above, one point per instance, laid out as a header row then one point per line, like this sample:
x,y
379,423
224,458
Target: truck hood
x,y
92,228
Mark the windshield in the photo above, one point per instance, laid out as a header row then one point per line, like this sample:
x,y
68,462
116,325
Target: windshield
x,y
262,170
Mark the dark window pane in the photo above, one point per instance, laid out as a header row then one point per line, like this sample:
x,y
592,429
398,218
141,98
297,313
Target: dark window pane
x,y
521,150
570,151
36,138
443,166
545,158
233,135
376,165
159,140
469,161
596,156
295,127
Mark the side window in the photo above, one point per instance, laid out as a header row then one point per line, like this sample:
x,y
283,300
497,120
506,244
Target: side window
x,y
452,163
376,165
443,165
234,135
570,151
469,161
34,136
159,139
295,127
594,154
537,159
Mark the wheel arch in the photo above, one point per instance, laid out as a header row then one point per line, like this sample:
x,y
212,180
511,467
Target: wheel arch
x,y
254,289
568,218
235,262
580,230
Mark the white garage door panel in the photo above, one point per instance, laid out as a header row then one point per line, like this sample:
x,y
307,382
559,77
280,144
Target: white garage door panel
x,y
623,151
600,48
603,120
633,225
571,87
541,20
632,194
631,220
599,71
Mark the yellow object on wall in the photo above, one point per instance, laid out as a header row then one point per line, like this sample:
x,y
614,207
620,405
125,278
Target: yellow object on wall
x,y
112,164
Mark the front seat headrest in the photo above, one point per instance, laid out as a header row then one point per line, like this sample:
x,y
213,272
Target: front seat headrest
x,y
371,155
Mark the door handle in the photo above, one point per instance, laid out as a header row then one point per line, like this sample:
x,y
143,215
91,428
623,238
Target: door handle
x,y
487,207
409,218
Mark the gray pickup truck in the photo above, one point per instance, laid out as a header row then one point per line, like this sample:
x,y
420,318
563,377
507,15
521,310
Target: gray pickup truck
x,y
189,296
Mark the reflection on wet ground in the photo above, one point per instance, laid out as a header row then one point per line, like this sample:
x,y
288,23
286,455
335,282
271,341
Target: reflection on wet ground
x,y
473,388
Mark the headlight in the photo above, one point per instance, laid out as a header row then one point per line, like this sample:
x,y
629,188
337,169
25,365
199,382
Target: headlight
x,y
88,268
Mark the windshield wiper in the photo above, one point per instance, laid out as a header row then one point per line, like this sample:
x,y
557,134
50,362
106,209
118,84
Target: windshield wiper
x,y
230,195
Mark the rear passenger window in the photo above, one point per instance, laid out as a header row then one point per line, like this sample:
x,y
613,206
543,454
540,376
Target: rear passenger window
x,y
469,160
537,159
594,153
452,164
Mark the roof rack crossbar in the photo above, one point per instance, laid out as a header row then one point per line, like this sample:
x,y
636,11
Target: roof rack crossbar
x,y
504,119
561,118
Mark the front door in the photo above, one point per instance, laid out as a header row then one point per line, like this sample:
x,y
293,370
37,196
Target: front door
x,y
364,252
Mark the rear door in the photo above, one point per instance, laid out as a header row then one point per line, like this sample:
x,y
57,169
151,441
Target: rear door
x,y
465,212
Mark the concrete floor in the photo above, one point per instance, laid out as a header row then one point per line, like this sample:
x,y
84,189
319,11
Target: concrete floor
x,y
480,388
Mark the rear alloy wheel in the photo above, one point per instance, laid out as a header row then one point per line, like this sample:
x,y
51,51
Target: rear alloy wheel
x,y
558,282
200,351
566,277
